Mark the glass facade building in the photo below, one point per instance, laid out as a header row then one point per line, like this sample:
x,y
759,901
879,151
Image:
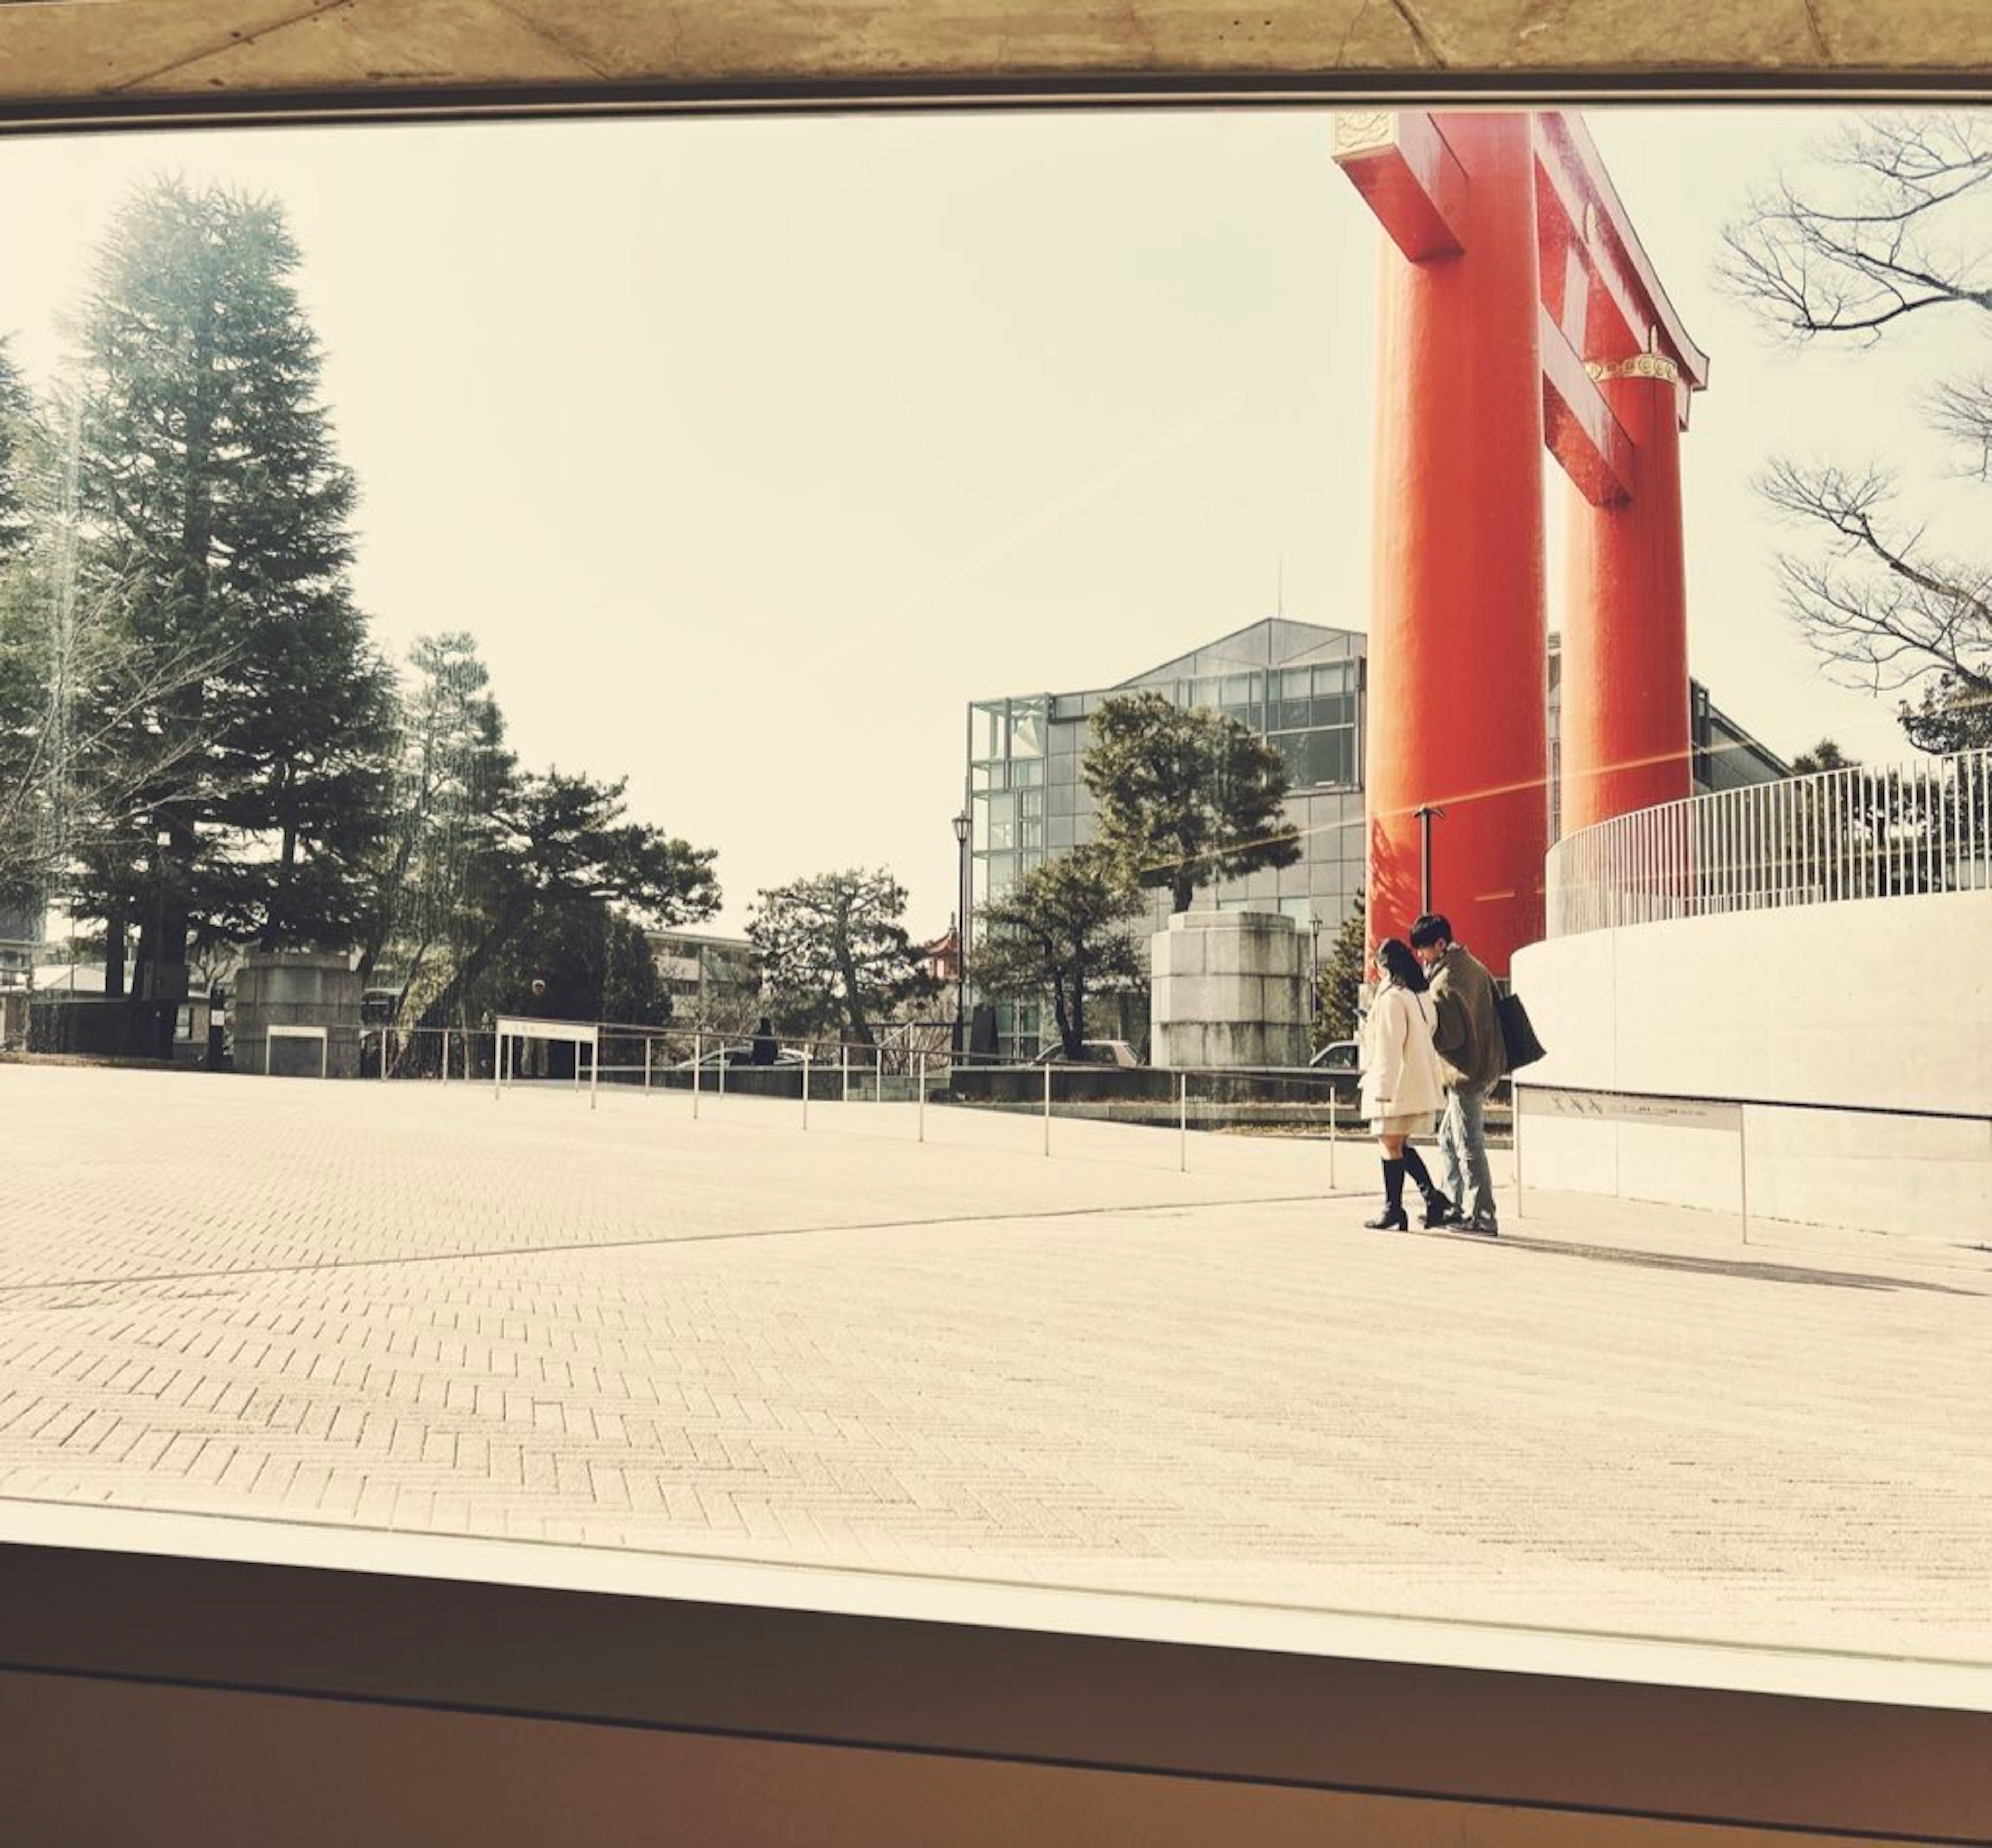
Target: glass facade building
x,y
1298,684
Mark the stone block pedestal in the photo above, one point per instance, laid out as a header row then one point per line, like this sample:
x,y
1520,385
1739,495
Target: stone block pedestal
x,y
297,988
1228,988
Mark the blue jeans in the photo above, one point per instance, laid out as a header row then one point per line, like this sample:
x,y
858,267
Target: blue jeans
x,y
1462,1148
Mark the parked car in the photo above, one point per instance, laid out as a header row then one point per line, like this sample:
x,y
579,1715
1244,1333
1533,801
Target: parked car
x,y
1091,1052
735,1057
1337,1055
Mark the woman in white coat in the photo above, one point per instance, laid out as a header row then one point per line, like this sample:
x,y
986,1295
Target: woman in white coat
x,y
1402,1093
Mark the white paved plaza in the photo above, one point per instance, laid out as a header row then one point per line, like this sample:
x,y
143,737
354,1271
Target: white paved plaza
x,y
413,1306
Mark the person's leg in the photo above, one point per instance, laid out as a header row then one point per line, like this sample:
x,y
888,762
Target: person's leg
x,y
1440,1209
1449,1152
1392,1218
1414,1166
1473,1128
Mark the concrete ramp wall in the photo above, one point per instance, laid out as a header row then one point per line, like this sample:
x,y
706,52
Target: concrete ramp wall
x,y
1826,1064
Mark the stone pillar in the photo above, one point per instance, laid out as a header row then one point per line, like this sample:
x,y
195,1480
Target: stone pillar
x,y
1228,988
297,988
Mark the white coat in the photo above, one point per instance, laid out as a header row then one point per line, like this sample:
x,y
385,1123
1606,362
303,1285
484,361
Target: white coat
x,y
1401,1076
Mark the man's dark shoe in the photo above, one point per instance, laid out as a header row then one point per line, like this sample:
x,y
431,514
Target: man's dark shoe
x,y
1482,1225
1440,1211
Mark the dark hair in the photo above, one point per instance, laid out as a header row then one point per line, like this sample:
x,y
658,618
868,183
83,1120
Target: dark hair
x,y
1433,927
1396,961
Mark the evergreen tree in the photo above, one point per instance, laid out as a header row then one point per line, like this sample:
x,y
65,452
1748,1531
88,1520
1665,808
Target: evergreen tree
x,y
491,879
557,857
1186,797
1061,930
1953,712
211,491
836,955
596,964
454,767
1339,986
1824,755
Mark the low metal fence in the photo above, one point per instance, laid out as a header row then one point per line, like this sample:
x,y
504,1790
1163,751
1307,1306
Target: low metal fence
x,y
712,1071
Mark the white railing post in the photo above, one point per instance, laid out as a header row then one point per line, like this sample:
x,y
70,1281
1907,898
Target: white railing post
x,y
1515,1136
805,1078
697,1072
1743,1168
923,1097
1047,1110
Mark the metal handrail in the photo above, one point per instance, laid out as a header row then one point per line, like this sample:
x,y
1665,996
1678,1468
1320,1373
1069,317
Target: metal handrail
x,y
1526,1083
1865,832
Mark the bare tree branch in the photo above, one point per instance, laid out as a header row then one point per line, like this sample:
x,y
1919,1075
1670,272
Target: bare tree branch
x,y
1883,612
1959,409
1870,244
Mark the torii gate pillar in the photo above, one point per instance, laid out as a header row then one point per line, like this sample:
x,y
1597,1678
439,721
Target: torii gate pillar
x,y
1457,713
1518,312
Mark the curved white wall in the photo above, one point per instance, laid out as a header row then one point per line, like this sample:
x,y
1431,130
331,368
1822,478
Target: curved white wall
x,y
1882,1005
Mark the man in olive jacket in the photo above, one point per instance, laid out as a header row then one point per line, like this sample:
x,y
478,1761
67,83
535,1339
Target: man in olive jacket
x,y
1471,1058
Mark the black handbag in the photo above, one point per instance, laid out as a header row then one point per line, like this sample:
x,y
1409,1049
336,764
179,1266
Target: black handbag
x,y
1517,1036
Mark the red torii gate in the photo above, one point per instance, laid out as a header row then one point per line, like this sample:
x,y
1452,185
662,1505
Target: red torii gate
x,y
1524,313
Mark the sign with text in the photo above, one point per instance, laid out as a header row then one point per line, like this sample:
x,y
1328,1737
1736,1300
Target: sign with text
x,y
1628,1106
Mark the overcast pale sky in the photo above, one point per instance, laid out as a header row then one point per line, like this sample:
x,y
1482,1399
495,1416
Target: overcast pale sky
x,y
751,450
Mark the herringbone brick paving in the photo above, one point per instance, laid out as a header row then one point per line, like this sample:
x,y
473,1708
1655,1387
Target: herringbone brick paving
x,y
412,1306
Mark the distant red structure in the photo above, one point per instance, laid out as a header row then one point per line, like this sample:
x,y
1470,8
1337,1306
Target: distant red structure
x,y
941,959
1518,311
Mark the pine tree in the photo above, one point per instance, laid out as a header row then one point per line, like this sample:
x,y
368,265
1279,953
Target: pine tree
x,y
1186,797
557,859
212,493
835,957
1061,930
1339,986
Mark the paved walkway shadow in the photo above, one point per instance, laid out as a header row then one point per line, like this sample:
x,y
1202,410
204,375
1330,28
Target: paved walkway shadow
x,y
1758,1270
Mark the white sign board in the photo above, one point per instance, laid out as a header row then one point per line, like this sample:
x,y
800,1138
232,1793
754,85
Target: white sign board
x,y
1629,1106
272,1035
574,1033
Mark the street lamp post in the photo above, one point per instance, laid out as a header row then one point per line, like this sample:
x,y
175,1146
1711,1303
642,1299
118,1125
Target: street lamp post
x,y
961,826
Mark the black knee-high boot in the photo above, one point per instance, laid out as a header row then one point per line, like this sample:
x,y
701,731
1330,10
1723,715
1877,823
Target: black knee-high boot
x,y
1392,1218
1439,1210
